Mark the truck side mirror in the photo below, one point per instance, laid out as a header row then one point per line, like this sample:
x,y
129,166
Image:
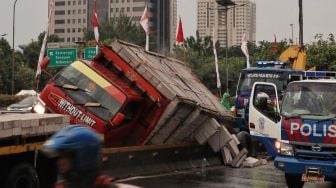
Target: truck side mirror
x,y
119,117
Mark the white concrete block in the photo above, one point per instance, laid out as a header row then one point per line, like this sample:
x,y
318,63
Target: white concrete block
x,y
233,148
234,137
16,131
8,124
238,160
219,139
6,133
226,155
206,130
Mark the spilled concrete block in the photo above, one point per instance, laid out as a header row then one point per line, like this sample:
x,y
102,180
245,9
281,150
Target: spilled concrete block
x,y
219,139
232,146
226,155
234,137
206,130
238,160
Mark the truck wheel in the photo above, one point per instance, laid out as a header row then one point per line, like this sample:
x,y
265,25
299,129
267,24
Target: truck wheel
x,y
293,181
23,176
246,141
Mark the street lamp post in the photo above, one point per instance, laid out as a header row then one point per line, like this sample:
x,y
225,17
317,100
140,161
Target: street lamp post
x,y
2,35
13,52
291,25
226,4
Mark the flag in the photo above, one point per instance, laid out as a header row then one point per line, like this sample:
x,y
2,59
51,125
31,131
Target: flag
x,y
214,39
275,48
179,35
44,43
144,22
245,50
95,24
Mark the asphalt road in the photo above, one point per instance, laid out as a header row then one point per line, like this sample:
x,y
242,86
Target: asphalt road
x,y
262,176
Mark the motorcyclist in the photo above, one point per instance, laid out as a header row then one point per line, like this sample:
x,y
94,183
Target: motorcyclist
x,y
78,152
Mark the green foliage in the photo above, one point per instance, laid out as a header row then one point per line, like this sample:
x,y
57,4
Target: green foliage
x,y
122,28
322,52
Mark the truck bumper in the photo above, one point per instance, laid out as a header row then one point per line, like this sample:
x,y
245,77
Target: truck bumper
x,y
298,166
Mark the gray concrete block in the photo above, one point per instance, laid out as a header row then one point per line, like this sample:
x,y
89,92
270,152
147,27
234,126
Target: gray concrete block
x,y
234,137
219,139
238,160
16,131
233,148
206,130
226,155
4,133
241,160
17,124
8,124
34,122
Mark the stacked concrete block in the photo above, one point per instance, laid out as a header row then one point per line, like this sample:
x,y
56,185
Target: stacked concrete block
x,y
30,124
207,130
239,159
220,139
227,157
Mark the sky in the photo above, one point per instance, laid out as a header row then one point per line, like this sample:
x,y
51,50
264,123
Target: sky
x,y
273,18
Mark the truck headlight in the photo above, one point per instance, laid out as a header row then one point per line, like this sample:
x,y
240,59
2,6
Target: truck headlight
x,y
284,148
39,107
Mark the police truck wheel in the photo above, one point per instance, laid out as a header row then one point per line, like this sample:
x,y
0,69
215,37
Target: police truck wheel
x,y
246,141
293,181
23,176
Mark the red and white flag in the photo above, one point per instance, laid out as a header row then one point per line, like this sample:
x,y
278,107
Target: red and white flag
x,y
179,35
245,50
214,40
275,48
44,43
144,22
95,24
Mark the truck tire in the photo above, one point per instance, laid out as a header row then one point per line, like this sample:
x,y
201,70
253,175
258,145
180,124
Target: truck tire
x,y
23,176
293,181
247,142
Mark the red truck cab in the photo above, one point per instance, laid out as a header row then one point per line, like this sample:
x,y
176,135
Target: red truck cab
x,y
97,95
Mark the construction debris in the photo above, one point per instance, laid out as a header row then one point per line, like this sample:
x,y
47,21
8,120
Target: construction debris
x,y
220,139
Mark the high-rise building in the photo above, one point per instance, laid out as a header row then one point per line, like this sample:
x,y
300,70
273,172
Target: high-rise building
x,y
231,21
72,16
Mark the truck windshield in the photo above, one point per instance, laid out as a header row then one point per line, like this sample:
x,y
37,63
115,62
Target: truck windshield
x,y
89,89
316,99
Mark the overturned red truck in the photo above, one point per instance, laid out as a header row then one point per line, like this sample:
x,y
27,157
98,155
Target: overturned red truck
x,y
133,97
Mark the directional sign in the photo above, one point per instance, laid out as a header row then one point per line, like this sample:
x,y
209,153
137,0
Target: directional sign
x,y
61,56
90,53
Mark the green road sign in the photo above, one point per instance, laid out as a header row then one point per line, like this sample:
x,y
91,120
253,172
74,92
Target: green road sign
x,y
90,53
61,56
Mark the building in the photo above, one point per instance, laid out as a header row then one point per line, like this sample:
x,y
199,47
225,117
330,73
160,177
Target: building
x,y
71,17
232,20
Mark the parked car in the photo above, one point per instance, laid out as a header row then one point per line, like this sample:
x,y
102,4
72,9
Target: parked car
x,y
25,105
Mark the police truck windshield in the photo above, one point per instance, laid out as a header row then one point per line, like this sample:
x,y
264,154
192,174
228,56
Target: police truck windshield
x,y
310,99
247,80
95,92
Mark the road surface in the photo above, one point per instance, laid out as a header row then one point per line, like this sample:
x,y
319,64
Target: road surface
x,y
223,177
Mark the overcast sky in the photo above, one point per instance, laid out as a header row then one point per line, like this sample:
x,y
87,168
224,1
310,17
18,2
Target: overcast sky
x,y
273,17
